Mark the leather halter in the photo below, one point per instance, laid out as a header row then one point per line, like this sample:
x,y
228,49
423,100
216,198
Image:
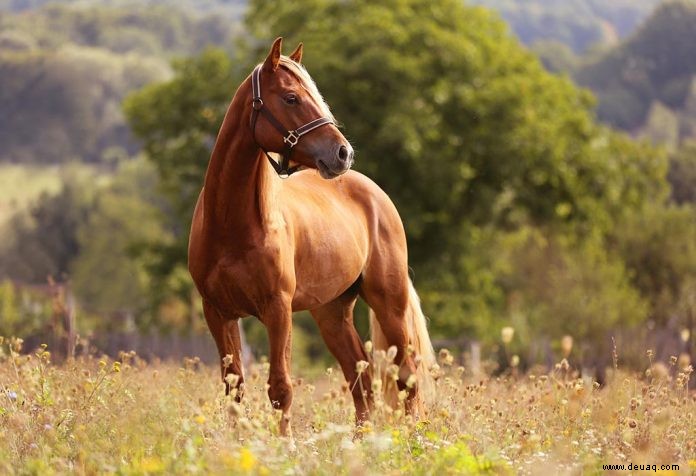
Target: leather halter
x,y
290,137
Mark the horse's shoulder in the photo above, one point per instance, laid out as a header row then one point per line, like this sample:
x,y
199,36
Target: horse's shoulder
x,y
351,187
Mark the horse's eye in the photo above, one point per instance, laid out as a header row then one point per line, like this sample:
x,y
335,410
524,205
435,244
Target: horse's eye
x,y
290,98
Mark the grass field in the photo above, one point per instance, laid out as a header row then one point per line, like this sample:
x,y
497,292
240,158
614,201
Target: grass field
x,y
96,416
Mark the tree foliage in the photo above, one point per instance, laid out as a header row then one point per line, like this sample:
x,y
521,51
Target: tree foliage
x,y
177,122
108,275
43,242
469,131
465,130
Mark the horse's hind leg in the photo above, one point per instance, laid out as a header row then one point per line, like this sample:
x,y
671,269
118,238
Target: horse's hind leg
x,y
385,288
335,321
228,341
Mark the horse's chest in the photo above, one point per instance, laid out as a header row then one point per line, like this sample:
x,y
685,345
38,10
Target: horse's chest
x,y
240,283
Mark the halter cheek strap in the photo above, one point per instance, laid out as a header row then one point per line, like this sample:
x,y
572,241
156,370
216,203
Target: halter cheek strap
x,y
290,137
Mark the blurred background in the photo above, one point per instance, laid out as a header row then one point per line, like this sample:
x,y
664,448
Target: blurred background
x,y
542,154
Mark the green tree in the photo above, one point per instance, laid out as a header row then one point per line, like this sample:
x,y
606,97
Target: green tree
x,y
682,174
177,122
460,124
43,241
658,246
463,128
107,275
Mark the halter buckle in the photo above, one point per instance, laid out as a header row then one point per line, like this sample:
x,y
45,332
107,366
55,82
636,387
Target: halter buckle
x,y
257,104
291,139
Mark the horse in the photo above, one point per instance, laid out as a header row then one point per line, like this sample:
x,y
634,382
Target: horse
x,y
268,239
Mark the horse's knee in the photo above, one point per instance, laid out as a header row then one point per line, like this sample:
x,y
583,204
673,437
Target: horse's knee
x,y
280,393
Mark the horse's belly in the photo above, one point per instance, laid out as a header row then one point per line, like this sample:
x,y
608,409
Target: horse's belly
x,y
325,276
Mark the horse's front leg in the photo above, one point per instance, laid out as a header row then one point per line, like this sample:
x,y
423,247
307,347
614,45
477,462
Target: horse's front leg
x,y
225,331
278,321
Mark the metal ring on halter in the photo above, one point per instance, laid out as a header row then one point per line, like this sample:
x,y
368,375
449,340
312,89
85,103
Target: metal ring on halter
x,y
292,138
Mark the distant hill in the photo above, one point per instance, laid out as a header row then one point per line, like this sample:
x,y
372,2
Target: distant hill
x,y
65,68
231,9
579,24
647,84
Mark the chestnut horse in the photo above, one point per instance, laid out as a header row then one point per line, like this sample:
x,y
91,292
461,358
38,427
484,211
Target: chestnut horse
x,y
267,247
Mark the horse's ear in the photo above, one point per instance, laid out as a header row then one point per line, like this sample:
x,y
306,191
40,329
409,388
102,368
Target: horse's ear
x,y
296,55
273,59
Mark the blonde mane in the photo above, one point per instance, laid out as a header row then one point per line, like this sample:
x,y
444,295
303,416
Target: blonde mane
x,y
308,84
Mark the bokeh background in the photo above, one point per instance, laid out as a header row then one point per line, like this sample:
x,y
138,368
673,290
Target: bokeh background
x,y
542,154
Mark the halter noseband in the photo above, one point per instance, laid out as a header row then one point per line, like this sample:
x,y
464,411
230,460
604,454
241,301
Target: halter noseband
x,y
290,138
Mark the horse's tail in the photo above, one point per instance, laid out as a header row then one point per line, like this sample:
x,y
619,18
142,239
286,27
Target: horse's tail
x,y
419,340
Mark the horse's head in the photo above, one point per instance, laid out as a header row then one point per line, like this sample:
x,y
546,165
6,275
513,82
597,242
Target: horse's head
x,y
290,117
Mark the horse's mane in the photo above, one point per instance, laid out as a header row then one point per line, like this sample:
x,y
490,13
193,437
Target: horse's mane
x,y
308,83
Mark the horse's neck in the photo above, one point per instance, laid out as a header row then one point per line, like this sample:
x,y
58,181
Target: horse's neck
x,y
240,186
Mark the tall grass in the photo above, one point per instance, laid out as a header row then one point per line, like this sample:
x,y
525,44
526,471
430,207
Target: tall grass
x,y
94,415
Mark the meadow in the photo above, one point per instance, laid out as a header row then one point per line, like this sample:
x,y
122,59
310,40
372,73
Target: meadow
x,y
99,416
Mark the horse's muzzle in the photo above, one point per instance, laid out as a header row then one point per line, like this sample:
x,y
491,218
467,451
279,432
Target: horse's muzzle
x,y
337,165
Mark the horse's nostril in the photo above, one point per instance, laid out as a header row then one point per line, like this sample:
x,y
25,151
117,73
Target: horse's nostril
x,y
343,153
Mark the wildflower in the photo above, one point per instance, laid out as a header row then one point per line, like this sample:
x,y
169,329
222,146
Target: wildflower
x,y
227,360
634,403
393,371
247,460
232,379
684,334
684,360
16,344
411,381
565,365
445,357
12,395
673,360
200,419
514,360
368,346
361,366
151,465
376,385
391,353
506,334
